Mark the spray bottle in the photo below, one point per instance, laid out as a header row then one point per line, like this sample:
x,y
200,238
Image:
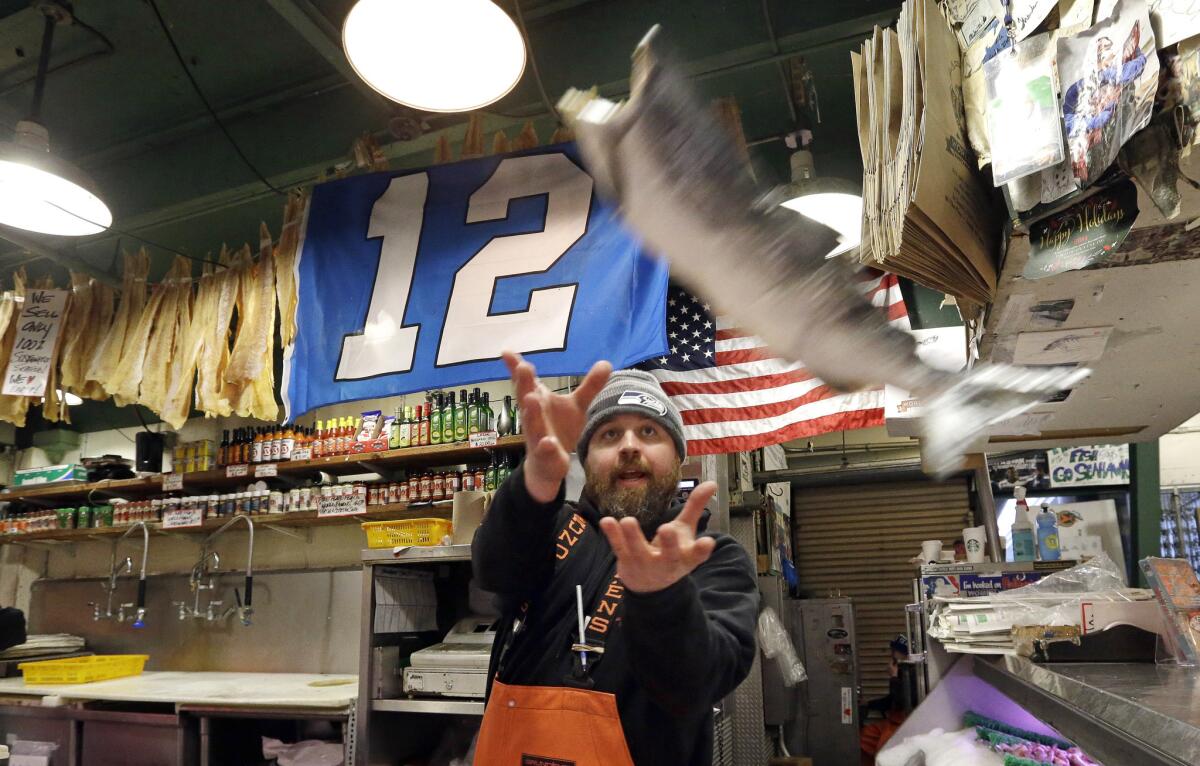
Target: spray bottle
x,y
1024,547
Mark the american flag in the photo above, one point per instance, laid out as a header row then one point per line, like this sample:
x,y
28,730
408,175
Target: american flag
x,y
735,395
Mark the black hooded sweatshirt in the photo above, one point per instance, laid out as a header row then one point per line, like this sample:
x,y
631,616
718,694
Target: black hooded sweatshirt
x,y
673,653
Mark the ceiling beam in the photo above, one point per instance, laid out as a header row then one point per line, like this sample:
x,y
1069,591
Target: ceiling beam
x,y
203,122
739,59
324,38
64,258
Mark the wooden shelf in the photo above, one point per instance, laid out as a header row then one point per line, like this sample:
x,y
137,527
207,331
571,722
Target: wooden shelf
x,y
298,519
196,482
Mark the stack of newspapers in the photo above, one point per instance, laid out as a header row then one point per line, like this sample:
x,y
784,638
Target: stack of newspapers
x,y
927,215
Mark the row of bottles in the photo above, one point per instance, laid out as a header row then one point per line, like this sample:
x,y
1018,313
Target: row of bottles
x,y
445,419
263,445
442,419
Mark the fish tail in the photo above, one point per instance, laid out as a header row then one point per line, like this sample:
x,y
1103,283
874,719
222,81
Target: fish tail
x,y
959,416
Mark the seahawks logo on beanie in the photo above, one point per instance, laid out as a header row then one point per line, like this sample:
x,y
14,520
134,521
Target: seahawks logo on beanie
x,y
643,400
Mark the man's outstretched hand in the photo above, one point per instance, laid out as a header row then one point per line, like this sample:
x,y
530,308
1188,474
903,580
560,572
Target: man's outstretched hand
x,y
551,423
645,567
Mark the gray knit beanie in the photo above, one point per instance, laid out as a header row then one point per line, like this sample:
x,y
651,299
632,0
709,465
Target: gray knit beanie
x,y
633,392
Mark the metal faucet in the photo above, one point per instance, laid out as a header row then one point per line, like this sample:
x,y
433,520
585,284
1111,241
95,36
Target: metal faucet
x,y
201,572
110,585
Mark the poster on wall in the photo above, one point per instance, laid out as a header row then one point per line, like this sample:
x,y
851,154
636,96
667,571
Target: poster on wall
x,y
38,326
1025,469
417,280
1089,466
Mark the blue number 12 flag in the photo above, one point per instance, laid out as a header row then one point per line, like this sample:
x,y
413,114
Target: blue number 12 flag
x,y
418,280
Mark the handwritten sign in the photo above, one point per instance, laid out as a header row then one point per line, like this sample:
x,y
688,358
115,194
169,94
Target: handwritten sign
x,y
484,439
233,471
302,453
1089,466
172,482
38,326
183,517
344,505
266,470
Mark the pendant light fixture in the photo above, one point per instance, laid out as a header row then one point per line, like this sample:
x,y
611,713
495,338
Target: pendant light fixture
x,y
835,202
38,191
435,55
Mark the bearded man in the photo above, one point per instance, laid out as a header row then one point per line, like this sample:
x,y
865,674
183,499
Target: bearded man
x,y
672,607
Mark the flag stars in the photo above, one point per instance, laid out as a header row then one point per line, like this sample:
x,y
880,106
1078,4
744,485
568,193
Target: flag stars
x,y
707,325
695,347
696,317
663,360
708,354
686,357
671,301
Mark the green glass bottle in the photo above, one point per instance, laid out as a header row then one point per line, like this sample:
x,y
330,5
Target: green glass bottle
x,y
487,417
460,417
473,413
448,419
489,476
435,421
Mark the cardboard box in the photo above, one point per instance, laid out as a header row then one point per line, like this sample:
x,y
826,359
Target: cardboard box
x,y
49,475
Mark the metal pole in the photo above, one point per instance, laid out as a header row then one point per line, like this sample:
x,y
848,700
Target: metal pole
x,y
39,85
987,506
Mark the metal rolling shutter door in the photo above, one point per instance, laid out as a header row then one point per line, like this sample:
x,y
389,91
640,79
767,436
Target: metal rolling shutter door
x,y
858,540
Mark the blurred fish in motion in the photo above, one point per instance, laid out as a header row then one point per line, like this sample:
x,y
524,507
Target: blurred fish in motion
x,y
682,187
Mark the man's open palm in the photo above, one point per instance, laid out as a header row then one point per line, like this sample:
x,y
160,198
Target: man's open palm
x,y
645,567
551,423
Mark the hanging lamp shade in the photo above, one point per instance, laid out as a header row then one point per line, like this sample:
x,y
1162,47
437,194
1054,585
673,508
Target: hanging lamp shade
x,y
40,192
435,55
835,202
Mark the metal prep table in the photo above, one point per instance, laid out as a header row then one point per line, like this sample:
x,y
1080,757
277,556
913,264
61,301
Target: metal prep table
x,y
1120,713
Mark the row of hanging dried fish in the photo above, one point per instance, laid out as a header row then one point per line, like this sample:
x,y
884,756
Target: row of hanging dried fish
x,y
184,342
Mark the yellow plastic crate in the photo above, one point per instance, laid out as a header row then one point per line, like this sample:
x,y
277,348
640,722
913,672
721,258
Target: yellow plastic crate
x,y
82,670
389,534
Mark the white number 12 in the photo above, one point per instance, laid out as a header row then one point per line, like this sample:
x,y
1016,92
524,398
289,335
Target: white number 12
x,y
471,332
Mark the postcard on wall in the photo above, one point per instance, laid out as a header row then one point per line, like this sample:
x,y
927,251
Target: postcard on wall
x,y
1085,344
1024,129
1172,20
1109,76
1085,234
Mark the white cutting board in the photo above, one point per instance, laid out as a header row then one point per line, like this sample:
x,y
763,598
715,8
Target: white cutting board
x,y
180,688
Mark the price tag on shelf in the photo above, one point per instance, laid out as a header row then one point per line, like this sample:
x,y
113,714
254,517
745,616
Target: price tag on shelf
x,y
347,505
302,454
484,439
233,471
172,482
266,470
178,519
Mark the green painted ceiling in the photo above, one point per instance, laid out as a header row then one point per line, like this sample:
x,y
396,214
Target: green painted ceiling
x,y
273,70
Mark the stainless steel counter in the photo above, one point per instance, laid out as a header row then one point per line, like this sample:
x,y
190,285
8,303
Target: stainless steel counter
x,y
1120,713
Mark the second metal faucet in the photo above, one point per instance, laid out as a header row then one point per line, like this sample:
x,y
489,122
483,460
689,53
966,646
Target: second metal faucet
x,y
202,578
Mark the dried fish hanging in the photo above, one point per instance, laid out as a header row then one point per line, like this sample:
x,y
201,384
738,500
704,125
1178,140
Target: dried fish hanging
x,y
192,340
12,408
287,253
126,384
527,139
104,363
500,143
472,145
250,377
87,325
162,346
441,152
211,396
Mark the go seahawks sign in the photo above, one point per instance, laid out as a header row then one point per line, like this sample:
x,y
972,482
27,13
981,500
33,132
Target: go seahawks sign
x,y
418,280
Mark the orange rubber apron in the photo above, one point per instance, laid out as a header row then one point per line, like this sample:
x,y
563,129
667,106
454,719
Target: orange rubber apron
x,y
551,726
559,725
